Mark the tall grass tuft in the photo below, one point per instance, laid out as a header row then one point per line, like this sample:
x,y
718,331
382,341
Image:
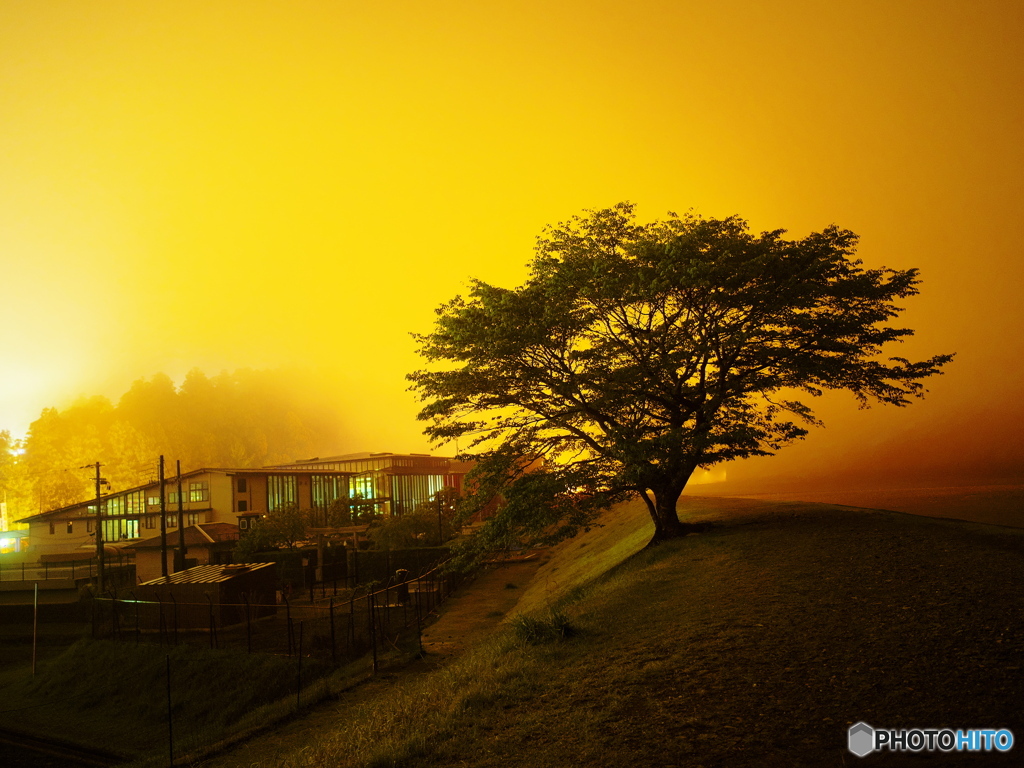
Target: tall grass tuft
x,y
544,628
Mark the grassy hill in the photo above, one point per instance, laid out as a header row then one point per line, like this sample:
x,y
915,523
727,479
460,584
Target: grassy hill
x,y
756,643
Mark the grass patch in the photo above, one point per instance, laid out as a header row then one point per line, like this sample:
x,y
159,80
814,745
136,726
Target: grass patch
x,y
114,695
622,533
545,628
404,722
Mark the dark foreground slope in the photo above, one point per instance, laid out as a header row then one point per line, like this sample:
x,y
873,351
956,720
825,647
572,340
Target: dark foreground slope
x,y
755,644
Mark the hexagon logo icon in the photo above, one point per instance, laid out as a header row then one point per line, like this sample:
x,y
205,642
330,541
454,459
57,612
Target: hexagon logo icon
x,y
861,739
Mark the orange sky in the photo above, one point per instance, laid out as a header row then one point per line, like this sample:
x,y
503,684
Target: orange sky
x,y
231,184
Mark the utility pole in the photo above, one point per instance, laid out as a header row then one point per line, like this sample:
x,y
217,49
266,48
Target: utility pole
x,y
99,529
179,557
163,521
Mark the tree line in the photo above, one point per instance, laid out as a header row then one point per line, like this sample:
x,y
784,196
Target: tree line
x,y
248,418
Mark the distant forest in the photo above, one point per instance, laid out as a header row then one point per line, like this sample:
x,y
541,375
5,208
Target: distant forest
x,y
243,419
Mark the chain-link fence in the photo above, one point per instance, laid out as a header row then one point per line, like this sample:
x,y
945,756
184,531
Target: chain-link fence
x,y
329,622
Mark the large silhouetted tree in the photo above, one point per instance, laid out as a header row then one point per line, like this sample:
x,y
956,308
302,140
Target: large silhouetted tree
x,y
635,354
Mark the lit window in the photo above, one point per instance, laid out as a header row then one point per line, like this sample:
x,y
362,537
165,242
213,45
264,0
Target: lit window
x,y
172,521
282,491
71,526
327,489
192,518
199,491
119,528
134,503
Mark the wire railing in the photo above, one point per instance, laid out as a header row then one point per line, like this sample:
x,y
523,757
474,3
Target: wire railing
x,y
339,626
45,571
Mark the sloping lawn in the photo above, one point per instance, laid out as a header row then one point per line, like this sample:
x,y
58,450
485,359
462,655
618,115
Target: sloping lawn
x,y
756,643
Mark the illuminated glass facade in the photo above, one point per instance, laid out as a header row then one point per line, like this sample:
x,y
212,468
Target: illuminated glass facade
x,y
282,491
326,489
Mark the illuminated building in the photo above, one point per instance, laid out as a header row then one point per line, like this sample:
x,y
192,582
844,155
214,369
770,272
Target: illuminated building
x,y
388,483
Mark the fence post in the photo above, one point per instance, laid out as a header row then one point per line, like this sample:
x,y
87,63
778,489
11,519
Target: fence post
x,y
170,716
334,647
175,604
419,621
298,688
248,623
373,629
350,634
163,620
288,621
138,632
213,631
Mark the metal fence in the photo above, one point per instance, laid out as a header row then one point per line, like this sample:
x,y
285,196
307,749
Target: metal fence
x,y
335,624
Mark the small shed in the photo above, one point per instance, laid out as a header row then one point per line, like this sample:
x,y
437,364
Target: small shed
x,y
229,592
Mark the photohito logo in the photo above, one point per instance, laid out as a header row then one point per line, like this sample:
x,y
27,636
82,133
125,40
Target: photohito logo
x,y
862,739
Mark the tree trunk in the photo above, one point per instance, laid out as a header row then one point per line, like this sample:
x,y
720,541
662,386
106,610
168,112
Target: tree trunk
x,y
663,511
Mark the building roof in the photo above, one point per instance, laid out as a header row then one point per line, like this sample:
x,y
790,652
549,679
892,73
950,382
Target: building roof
x,y
314,465
170,481
200,535
89,502
419,461
207,574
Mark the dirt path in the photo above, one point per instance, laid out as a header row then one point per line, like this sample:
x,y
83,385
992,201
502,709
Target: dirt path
x,y
476,609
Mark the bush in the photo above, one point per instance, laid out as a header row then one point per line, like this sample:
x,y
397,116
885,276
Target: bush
x,y
551,627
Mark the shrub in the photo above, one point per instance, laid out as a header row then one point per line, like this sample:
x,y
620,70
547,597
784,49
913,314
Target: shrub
x,y
550,627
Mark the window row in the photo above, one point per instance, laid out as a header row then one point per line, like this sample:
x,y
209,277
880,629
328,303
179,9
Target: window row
x,y
121,527
199,491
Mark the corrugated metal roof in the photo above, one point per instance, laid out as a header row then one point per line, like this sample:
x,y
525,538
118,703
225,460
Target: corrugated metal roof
x,y
208,574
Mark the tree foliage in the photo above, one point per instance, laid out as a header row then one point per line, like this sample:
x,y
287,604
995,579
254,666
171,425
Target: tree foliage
x,y
636,353
431,524
283,528
242,419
